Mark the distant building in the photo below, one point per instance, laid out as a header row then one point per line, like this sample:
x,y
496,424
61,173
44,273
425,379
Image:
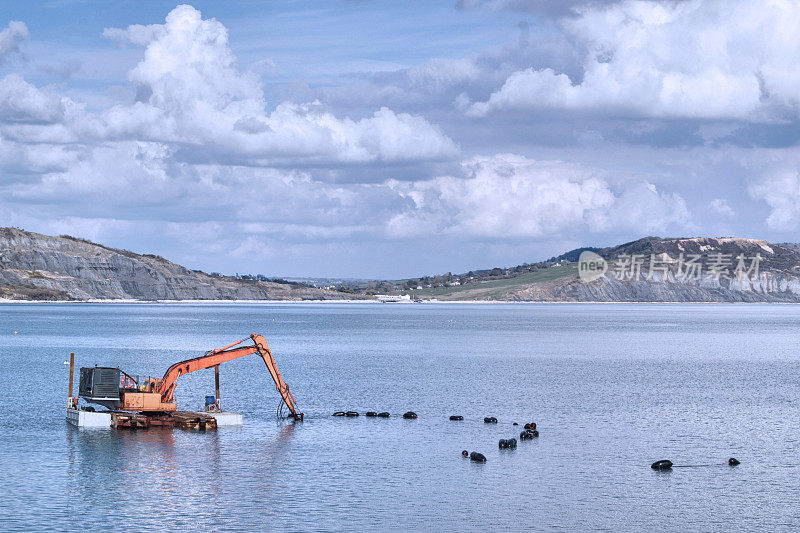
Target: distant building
x,y
388,298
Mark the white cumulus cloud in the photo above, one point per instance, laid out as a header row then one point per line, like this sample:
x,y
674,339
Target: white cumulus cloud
x,y
508,195
781,192
191,91
720,205
22,102
698,59
11,38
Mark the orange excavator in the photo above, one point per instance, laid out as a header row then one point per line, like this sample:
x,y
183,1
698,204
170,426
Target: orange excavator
x,y
102,385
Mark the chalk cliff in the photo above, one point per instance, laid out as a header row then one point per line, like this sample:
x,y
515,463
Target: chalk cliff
x,y
40,267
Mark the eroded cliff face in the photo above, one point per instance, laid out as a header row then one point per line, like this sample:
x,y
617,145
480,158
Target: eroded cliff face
x,y
770,287
35,266
777,278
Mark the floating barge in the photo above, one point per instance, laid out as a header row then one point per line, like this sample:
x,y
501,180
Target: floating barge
x,y
202,420
132,404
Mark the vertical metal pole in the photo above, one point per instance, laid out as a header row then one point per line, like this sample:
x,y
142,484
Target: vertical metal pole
x,y
216,381
71,372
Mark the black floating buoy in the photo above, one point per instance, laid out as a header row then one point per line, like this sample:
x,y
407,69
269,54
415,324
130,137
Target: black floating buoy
x,y
733,461
351,413
477,457
534,433
531,426
464,453
507,443
410,414
514,424
371,413
663,464
526,435
383,415
338,413
456,417
490,420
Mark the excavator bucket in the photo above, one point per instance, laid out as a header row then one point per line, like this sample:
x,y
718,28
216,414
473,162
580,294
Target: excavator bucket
x,y
283,388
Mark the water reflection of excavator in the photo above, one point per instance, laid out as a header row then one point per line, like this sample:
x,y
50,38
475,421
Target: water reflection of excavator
x,y
102,385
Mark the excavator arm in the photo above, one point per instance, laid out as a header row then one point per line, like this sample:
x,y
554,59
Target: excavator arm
x,y
283,389
166,386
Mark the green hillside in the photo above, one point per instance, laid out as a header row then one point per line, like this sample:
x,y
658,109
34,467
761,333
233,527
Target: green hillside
x,y
498,289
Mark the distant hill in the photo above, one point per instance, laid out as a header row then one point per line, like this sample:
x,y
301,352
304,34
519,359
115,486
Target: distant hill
x,y
40,267
776,278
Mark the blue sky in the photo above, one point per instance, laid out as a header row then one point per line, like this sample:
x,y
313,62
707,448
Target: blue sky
x,y
386,139
316,42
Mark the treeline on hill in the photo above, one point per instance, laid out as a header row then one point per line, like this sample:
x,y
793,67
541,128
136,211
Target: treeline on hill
x,y
259,277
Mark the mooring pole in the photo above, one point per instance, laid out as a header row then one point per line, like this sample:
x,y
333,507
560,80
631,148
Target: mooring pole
x,y
216,381
71,372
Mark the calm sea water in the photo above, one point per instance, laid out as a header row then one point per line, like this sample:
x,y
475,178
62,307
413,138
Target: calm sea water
x,y
611,387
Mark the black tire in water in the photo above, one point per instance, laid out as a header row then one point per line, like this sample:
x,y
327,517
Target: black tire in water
x,y
477,457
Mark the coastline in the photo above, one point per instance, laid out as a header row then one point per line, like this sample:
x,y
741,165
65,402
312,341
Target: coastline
x,y
6,301
176,302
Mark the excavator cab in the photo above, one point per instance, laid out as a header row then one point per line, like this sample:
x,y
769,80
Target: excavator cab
x,y
100,384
